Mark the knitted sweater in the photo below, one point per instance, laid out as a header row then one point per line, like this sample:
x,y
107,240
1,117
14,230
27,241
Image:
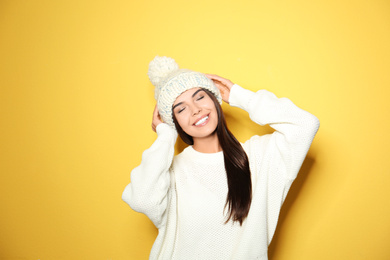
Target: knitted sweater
x,y
184,196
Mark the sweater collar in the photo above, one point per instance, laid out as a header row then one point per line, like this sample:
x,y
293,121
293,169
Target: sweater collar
x,y
204,157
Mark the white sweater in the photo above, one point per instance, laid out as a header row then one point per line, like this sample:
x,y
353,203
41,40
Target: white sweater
x,y
184,196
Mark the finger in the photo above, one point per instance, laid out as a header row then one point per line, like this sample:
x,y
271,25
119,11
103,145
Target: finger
x,y
220,85
214,77
155,111
217,79
156,114
223,89
155,118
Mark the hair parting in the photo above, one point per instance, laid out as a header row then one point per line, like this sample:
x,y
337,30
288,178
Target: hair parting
x,y
236,161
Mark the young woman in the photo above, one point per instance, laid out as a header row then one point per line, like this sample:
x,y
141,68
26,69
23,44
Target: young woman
x,y
218,199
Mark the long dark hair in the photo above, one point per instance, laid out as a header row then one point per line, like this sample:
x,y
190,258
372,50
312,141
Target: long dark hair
x,y
238,174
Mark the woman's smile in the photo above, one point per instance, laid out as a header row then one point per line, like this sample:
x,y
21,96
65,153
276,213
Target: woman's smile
x,y
202,121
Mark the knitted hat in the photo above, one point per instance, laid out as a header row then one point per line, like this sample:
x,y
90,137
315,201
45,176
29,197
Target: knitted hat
x,y
170,82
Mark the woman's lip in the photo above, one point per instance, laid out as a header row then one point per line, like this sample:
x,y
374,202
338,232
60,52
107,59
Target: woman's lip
x,y
205,122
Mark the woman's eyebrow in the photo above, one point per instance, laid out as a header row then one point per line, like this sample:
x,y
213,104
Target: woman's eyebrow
x,y
196,92
193,95
178,104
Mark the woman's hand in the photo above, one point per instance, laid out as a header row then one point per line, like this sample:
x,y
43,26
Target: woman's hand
x,y
156,119
224,86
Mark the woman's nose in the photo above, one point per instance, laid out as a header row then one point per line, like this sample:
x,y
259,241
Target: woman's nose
x,y
196,110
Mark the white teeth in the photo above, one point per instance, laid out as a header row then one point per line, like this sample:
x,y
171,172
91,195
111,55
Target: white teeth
x,y
202,120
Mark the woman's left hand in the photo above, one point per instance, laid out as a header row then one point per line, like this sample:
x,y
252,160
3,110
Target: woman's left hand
x,y
224,86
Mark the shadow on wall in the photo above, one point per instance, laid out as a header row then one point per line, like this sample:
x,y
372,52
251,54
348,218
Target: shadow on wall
x,y
290,199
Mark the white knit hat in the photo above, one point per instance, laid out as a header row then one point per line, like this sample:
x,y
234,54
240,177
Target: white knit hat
x,y
170,82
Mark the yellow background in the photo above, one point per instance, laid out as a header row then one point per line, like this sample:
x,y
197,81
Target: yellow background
x,y
76,107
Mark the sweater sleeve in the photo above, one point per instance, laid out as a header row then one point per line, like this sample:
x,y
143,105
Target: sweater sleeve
x,y
148,191
295,128
275,158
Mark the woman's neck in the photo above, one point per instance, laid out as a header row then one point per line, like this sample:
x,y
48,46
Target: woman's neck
x,y
209,144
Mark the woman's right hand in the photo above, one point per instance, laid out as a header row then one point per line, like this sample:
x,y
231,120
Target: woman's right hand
x,y
156,119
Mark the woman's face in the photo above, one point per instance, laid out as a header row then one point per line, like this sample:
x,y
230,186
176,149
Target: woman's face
x,y
196,114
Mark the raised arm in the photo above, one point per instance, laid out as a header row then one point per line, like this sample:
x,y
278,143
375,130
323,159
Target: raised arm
x,y
148,191
295,128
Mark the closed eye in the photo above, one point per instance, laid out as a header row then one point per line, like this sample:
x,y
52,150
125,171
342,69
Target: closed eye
x,y
199,98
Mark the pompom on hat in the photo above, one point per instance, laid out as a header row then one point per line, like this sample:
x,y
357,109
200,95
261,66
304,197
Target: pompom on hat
x,y
170,81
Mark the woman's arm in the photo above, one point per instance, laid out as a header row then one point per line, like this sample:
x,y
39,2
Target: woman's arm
x,y
295,128
147,193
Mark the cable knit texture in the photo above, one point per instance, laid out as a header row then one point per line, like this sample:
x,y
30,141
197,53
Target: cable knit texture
x,y
184,196
170,82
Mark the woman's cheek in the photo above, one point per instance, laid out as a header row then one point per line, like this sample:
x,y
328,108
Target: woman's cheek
x,y
181,119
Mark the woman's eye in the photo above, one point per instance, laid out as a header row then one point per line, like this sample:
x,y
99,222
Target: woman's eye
x,y
181,110
200,97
